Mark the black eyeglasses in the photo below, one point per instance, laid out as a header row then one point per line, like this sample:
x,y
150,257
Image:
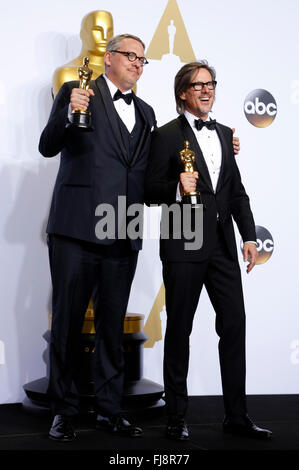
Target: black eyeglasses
x,y
198,86
132,57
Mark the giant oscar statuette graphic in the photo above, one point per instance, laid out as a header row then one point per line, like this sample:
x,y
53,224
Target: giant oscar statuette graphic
x,y
96,30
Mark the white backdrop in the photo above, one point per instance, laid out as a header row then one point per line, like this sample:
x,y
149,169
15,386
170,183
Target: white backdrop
x,y
253,47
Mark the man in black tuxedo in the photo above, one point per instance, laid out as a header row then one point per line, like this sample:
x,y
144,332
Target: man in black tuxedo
x,y
215,264
96,168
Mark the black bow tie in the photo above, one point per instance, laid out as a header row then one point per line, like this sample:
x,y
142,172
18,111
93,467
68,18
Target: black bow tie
x,y
199,124
127,97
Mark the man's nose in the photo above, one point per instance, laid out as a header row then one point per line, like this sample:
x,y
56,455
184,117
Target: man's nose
x,y
137,63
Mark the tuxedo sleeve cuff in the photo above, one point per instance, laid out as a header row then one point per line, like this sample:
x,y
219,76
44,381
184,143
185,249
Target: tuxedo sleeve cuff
x,y
178,194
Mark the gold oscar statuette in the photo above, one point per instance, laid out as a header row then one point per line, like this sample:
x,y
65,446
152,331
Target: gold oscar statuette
x,y
80,118
188,159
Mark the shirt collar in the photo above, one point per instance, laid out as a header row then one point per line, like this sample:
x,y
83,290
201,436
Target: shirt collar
x,y
190,118
113,88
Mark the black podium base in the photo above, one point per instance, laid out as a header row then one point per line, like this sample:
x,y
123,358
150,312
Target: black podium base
x,y
140,395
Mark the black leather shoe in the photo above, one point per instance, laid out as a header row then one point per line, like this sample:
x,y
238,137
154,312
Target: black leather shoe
x,y
245,428
61,429
118,425
177,429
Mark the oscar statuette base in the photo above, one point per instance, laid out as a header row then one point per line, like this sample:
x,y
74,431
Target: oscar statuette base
x,y
80,120
193,199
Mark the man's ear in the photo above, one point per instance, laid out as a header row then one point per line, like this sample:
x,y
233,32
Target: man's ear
x,y
107,58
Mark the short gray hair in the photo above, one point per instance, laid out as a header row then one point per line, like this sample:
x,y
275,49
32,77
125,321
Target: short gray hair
x,y
183,78
115,42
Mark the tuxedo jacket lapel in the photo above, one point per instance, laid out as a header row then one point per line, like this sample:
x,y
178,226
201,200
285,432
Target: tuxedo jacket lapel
x,y
199,158
103,89
224,148
144,128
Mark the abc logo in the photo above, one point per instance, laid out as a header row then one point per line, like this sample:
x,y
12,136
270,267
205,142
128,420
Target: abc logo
x,y
265,244
260,108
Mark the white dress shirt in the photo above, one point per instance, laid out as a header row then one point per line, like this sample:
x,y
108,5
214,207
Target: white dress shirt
x,y
125,111
209,143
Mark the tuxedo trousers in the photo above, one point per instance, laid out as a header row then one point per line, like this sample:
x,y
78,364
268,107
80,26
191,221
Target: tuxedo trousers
x,y
183,285
80,270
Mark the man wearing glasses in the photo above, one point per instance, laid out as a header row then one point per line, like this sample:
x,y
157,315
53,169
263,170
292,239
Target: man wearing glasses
x,y
215,263
95,169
